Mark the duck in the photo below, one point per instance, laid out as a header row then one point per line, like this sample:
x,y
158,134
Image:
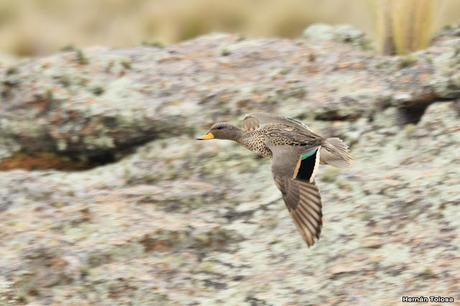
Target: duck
x,y
296,152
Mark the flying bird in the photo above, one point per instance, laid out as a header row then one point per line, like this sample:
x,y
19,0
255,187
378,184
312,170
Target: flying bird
x,y
296,152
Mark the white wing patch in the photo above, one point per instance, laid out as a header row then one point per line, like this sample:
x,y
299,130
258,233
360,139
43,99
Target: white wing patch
x,y
315,169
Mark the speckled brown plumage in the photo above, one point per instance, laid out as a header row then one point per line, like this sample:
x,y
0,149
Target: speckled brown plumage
x,y
259,140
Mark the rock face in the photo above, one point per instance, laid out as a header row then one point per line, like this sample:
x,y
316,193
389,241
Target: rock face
x,y
172,221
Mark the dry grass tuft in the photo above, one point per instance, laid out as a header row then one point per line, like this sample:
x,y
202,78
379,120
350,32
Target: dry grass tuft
x,y
404,26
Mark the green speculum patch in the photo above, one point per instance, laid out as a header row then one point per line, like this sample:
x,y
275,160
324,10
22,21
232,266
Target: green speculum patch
x,y
307,155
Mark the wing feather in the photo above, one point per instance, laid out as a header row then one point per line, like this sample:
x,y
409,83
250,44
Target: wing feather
x,y
303,202
256,120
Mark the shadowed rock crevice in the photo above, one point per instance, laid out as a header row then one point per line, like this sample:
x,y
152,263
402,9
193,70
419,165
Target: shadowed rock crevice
x,y
42,143
65,161
413,113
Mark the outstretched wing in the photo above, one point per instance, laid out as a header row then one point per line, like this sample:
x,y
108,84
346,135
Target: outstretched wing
x,y
256,120
303,202
294,176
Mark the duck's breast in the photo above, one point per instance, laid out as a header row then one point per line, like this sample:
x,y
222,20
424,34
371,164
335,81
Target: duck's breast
x,y
255,141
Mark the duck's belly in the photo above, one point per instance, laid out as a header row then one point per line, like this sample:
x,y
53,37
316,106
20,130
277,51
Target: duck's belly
x,y
256,144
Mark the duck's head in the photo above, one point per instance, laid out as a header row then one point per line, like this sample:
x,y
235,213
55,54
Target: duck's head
x,y
222,130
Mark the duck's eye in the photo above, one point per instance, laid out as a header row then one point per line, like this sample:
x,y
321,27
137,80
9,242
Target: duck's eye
x,y
219,128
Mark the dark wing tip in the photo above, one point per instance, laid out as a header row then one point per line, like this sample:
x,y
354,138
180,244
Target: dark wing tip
x,y
303,201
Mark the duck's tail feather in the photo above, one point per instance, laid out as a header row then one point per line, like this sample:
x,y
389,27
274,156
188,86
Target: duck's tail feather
x,y
335,152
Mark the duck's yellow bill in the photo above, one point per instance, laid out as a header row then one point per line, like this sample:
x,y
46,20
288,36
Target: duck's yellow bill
x,y
207,137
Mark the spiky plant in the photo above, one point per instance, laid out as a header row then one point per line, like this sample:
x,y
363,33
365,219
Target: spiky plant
x,y
404,26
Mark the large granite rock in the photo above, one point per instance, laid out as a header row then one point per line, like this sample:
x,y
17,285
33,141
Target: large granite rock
x,y
173,221
93,103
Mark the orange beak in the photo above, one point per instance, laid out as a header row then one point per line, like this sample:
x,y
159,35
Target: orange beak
x,y
208,136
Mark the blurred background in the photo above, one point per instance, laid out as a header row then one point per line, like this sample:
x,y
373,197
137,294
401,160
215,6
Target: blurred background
x,y
38,27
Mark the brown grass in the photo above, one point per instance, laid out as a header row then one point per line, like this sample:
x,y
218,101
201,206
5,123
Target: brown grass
x,y
407,25
31,27
42,161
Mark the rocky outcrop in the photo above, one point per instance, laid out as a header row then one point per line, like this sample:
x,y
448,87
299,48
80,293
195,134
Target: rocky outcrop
x,y
180,222
94,104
